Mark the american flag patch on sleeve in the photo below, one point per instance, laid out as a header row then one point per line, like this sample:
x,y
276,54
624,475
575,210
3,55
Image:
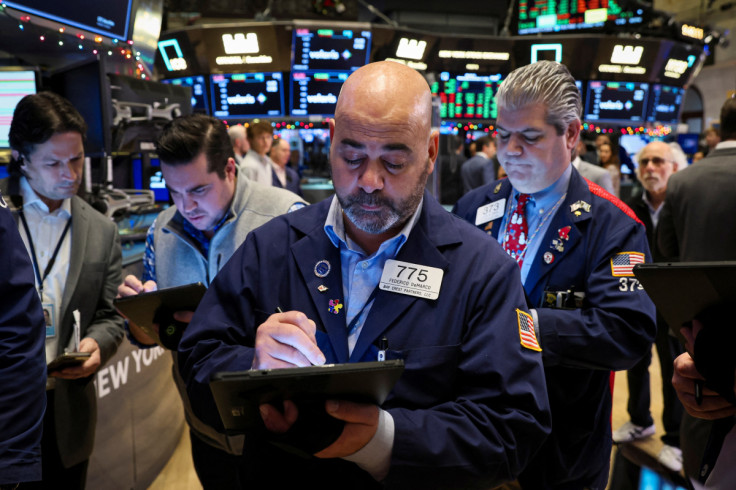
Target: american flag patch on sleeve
x,y
622,264
526,331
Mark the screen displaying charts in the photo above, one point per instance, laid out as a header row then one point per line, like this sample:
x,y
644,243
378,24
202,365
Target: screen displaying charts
x,y
616,101
247,95
330,49
315,93
535,16
665,104
467,95
199,91
14,85
323,60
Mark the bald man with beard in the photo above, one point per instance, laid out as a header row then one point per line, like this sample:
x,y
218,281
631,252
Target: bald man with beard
x,y
470,408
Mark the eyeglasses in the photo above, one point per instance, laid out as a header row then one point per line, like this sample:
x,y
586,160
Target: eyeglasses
x,y
657,161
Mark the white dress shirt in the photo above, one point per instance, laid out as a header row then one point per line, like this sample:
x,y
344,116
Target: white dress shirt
x,y
258,168
45,229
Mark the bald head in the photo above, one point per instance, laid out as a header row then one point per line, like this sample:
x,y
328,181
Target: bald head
x,y
386,89
382,150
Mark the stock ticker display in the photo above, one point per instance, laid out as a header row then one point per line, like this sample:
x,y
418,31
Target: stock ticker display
x,y
467,95
535,16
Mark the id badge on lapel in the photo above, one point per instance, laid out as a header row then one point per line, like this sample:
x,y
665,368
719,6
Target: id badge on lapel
x,y
49,318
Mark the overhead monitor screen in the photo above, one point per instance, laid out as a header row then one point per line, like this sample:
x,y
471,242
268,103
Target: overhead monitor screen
x,y
14,85
665,104
467,95
616,101
107,18
247,95
199,91
535,16
330,49
315,94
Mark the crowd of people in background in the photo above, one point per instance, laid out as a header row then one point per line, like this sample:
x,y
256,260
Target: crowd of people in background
x,y
528,303
470,161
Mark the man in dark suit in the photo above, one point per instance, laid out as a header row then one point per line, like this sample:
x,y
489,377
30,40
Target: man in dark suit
x,y
700,200
657,163
479,169
22,362
76,256
283,175
698,224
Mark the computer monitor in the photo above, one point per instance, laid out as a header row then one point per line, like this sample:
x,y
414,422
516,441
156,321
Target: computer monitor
x,y
146,170
15,83
110,19
315,93
86,86
467,95
563,16
319,49
247,95
618,102
665,104
633,143
198,84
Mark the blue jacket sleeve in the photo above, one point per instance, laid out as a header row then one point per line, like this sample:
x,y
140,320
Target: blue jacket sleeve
x,y
616,325
22,360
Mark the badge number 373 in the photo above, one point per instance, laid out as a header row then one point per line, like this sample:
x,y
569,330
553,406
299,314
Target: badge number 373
x,y
629,284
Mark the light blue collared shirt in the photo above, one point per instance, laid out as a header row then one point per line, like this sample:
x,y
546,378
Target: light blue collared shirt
x,y
360,273
360,276
539,204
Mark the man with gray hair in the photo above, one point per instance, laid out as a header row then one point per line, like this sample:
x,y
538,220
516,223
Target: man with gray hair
x,y
239,141
576,246
657,162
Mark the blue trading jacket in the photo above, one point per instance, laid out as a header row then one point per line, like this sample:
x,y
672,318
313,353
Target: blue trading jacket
x,y
610,330
471,406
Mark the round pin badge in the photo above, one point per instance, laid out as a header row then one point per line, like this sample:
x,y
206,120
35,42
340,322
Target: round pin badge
x,y
322,268
549,257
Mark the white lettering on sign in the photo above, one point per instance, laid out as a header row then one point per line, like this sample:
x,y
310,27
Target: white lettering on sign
x,y
412,49
240,43
324,55
322,99
114,376
626,55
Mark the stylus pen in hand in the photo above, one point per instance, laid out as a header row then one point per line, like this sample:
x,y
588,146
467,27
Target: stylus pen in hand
x,y
279,310
699,391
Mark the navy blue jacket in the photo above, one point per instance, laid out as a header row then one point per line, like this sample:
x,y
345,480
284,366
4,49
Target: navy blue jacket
x,y
292,181
471,406
611,331
22,359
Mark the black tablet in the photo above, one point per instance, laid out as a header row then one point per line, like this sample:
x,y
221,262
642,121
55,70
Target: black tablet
x,y
681,290
238,394
157,307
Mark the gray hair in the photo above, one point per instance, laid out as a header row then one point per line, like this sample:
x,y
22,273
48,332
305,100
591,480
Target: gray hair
x,y
543,82
678,155
236,132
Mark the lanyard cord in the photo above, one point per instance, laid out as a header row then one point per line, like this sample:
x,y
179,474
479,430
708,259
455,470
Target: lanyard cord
x,y
52,260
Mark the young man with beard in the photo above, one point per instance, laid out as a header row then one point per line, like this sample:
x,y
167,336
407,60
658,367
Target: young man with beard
x,y
470,408
216,206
